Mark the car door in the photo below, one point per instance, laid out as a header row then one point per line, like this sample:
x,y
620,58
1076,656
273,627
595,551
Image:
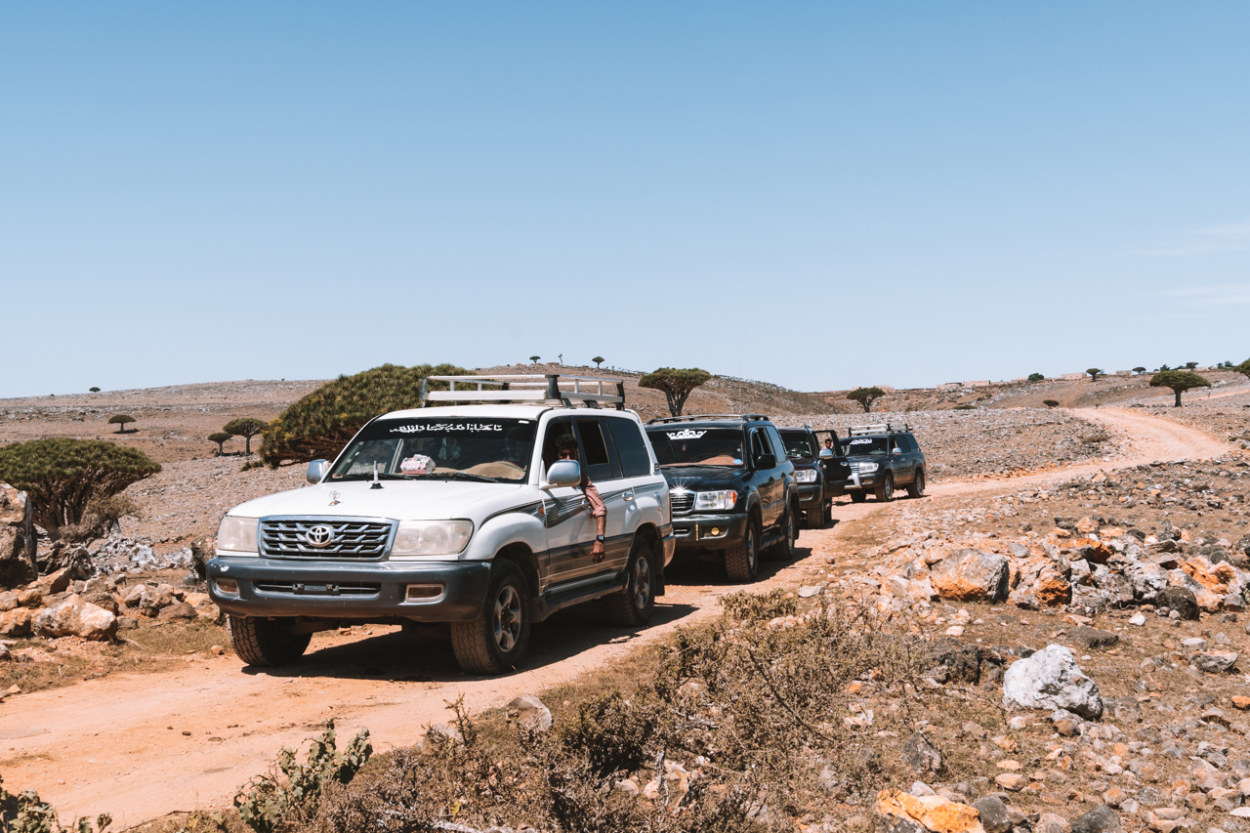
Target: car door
x,y
901,462
769,484
644,494
570,527
604,469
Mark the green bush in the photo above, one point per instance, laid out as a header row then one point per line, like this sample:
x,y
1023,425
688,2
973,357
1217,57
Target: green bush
x,y
1036,377
965,407
320,424
1051,403
220,438
63,476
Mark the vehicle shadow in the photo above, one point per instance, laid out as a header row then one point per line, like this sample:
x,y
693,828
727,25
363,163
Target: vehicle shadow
x,y
425,654
709,570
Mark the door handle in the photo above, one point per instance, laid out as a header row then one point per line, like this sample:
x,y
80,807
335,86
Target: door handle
x,y
627,496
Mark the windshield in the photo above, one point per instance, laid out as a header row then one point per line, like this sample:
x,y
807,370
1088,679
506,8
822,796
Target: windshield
x,y
865,446
697,446
441,447
798,445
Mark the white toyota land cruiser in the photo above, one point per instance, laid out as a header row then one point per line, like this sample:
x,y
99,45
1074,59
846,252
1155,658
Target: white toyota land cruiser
x,y
460,514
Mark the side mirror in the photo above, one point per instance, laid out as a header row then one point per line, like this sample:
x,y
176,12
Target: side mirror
x,y
826,454
317,471
766,461
898,451
564,473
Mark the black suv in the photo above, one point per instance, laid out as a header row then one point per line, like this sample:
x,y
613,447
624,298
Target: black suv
x,y
731,487
820,469
883,457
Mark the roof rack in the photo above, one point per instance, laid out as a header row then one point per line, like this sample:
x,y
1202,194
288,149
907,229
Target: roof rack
x,y
696,417
533,388
881,428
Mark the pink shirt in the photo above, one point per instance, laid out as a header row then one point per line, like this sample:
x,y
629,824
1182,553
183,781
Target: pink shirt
x,y
597,509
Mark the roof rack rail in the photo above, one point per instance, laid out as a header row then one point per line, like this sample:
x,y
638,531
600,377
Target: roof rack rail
x,y
524,389
693,417
880,428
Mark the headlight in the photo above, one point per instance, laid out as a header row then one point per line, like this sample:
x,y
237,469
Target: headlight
x,y
421,538
715,500
805,475
866,467
237,535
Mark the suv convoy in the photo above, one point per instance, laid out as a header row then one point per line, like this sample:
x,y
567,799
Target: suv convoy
x,y
821,473
460,514
883,457
732,488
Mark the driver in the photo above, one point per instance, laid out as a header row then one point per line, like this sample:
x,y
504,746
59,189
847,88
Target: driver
x,y
566,449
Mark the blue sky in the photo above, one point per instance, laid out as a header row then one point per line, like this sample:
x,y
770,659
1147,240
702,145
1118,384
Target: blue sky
x,y
819,195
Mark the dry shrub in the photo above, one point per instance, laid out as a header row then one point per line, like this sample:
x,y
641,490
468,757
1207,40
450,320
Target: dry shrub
x,y
765,719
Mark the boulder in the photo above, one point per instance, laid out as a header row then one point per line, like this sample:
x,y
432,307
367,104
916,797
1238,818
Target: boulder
x,y
14,563
1101,819
1214,663
921,757
8,601
178,610
74,617
899,812
1050,679
1051,588
1093,637
15,622
994,816
1180,599
530,713
1220,578
54,582
971,575
962,660
204,606
1146,579
30,597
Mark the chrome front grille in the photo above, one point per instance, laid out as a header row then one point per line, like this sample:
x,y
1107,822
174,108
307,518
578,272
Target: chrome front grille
x,y
324,538
683,502
294,588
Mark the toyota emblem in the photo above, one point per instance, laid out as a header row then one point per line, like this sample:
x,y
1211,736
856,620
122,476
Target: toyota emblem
x,y
319,536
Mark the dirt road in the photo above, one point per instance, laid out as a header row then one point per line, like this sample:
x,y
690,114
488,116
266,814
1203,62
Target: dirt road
x,y
140,746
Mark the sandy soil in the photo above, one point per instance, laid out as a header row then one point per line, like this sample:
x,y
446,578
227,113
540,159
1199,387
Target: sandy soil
x,y
140,746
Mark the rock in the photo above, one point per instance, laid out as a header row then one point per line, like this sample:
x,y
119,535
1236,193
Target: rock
x,y
1051,588
1218,578
1113,797
127,623
8,601
1010,781
1214,663
56,582
994,816
898,812
74,617
155,599
921,757
811,592
15,622
1022,600
179,610
1137,620
529,712
4,653
1241,702
1051,823
971,575
961,660
204,606
920,788
1180,599
439,734
1050,679
1093,637
103,600
1101,819
30,597
1194,643
134,595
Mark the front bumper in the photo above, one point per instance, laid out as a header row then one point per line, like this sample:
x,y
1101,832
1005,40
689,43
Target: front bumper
x,y
811,495
695,531
343,590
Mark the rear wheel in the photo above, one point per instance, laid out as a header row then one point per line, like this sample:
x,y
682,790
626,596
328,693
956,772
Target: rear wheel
x,y
859,497
783,550
498,639
916,489
266,642
885,489
826,514
633,606
742,561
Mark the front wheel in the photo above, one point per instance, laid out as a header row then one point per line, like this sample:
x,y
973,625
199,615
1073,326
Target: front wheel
x,y
266,642
885,489
916,489
742,561
859,497
497,640
826,514
632,607
783,550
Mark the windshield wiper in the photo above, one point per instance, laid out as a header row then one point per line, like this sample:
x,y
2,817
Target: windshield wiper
x,y
464,475
381,476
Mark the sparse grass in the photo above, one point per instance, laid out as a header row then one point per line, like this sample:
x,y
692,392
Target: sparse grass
x,y
176,638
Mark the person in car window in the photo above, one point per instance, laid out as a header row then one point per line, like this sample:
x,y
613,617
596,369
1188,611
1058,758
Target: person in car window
x,y
829,444
567,450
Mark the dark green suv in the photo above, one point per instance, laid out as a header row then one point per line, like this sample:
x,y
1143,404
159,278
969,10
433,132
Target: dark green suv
x,y
884,458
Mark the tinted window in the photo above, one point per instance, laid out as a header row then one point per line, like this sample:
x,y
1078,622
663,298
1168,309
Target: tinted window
x,y
911,441
595,456
860,446
775,439
631,448
694,446
556,429
759,443
440,447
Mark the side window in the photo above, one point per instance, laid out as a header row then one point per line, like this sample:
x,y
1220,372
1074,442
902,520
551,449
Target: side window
x,y
897,443
759,443
631,448
777,444
595,455
556,429
911,442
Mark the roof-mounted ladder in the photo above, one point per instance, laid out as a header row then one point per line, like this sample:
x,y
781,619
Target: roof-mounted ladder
x,y
527,389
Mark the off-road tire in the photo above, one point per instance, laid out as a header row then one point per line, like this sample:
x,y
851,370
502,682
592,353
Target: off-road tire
x,y
742,561
266,642
783,550
496,641
885,489
826,514
916,487
859,497
633,606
